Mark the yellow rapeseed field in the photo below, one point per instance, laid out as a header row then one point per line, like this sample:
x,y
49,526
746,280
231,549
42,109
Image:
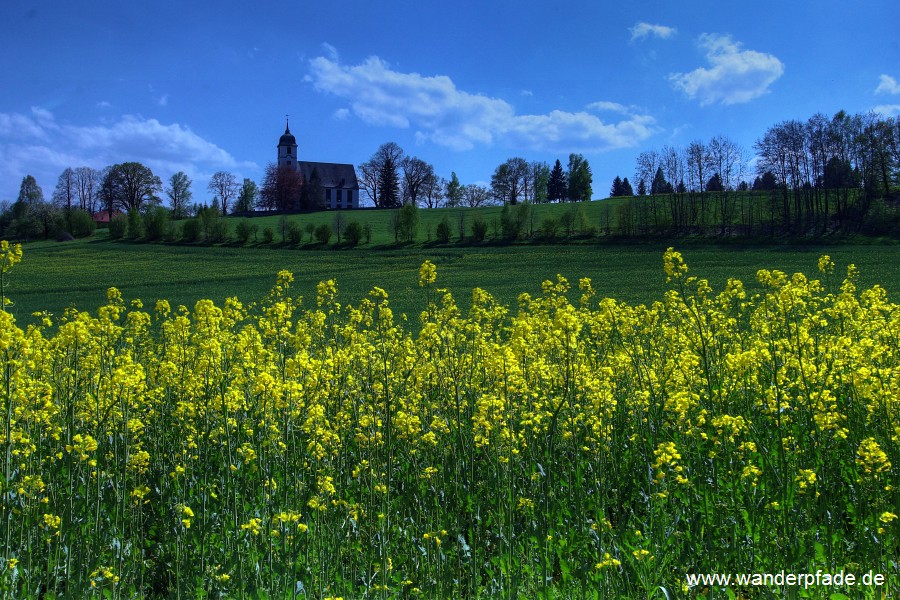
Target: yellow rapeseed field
x,y
569,446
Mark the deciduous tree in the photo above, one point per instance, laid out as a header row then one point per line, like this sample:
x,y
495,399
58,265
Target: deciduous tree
x,y
179,192
65,195
454,192
247,197
580,178
509,180
130,186
415,174
225,187
379,169
281,188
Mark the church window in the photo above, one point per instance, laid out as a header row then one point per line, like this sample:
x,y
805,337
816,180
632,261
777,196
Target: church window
x,y
340,195
328,194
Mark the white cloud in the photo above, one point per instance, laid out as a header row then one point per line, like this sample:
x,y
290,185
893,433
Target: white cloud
x,y
642,30
735,75
887,85
887,110
163,100
445,115
41,146
341,114
604,105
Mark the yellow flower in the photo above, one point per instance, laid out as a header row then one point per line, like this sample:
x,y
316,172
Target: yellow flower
x,y
427,273
608,561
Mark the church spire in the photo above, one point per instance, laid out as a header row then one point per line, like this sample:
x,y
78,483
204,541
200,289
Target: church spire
x,y
287,127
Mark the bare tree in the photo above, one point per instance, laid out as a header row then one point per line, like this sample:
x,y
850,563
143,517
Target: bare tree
x,y
433,191
475,195
415,173
368,180
87,187
646,165
225,187
372,172
282,188
65,193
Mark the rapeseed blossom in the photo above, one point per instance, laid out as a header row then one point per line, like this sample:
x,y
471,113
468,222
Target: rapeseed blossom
x,y
568,443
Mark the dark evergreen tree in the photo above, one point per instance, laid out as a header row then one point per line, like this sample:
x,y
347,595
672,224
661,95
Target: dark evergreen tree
x,y
715,184
557,185
388,184
659,185
616,189
627,190
642,188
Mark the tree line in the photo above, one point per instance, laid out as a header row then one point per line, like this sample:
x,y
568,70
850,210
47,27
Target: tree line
x,y
820,175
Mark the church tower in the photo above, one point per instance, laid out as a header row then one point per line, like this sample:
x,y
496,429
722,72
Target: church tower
x,y
287,148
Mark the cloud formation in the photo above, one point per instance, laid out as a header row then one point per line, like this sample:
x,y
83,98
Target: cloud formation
x,y
887,85
734,75
887,110
642,30
39,145
445,115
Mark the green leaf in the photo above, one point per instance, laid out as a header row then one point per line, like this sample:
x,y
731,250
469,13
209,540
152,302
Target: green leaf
x,y
820,553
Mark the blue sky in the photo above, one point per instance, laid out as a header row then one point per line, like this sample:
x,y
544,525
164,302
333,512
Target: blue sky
x,y
203,87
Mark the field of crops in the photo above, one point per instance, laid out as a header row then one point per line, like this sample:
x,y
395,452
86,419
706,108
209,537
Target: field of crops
x,y
54,276
566,445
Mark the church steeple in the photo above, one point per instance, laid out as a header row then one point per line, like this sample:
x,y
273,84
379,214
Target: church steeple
x,y
287,147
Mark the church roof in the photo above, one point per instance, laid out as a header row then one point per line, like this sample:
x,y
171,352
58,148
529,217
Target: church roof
x,y
331,175
288,138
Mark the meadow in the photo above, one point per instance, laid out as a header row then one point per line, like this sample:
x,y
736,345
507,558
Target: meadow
x,y
553,440
54,276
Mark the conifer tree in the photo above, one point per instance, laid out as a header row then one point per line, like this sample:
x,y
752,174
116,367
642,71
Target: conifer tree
x,y
556,185
616,189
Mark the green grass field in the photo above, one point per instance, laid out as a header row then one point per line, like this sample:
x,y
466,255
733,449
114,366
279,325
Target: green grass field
x,y
54,276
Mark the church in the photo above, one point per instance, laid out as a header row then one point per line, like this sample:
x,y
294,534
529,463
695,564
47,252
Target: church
x,y
338,181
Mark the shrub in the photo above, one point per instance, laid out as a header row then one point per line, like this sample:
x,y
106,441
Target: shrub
x,y
80,223
407,222
294,232
550,227
479,228
353,233
244,230
135,225
443,231
218,231
118,225
190,231
268,235
323,233
156,222
513,220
